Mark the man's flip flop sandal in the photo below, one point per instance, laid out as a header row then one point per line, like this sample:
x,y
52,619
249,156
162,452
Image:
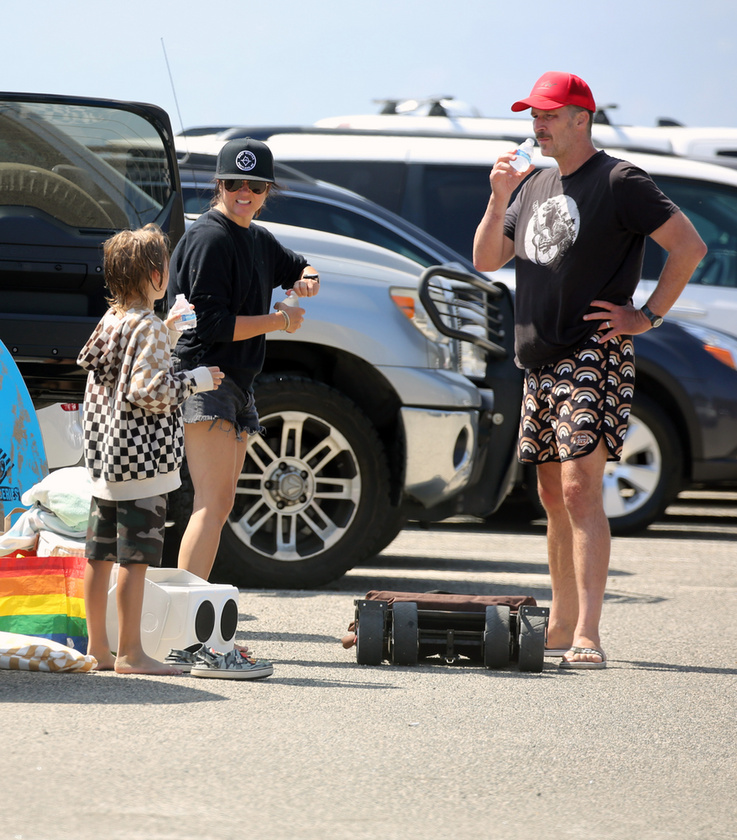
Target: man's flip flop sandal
x,y
583,664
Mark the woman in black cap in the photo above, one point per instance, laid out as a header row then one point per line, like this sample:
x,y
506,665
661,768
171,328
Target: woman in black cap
x,y
227,269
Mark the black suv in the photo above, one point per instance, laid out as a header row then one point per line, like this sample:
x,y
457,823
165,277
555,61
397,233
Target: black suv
x,y
73,171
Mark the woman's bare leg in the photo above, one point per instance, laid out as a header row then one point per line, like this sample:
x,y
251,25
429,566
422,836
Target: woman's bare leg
x,y
215,458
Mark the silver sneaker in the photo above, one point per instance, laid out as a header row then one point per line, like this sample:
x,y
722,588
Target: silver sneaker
x,y
229,666
183,659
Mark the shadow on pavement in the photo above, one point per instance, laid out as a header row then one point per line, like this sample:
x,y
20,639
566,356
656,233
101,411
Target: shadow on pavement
x,y
71,688
425,666
677,669
668,529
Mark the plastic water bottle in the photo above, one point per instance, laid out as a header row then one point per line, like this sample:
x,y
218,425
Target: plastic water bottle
x,y
188,319
291,300
523,160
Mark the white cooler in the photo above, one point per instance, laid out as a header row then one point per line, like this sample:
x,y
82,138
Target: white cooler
x,y
179,610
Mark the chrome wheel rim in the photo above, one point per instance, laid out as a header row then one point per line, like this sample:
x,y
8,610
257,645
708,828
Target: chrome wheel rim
x,y
630,483
300,489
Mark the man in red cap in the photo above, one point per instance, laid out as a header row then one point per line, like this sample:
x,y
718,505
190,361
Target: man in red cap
x,y
577,232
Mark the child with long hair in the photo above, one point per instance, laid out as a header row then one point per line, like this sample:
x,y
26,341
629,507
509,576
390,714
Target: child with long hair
x,y
133,441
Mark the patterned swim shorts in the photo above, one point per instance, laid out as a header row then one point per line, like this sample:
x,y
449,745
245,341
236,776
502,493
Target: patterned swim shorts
x,y
568,406
127,532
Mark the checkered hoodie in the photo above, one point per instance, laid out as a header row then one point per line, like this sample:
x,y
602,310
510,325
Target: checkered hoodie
x,y
131,417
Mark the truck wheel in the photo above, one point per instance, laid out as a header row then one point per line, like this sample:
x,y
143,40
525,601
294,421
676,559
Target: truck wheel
x,y
314,496
638,488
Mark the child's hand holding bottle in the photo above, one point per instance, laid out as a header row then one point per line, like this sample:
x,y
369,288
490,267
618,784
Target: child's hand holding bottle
x,y
182,316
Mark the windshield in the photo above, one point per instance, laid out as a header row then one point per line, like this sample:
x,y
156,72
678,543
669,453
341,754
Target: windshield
x,y
713,210
85,166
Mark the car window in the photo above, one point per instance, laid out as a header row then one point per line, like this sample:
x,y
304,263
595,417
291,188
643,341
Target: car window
x,y
319,215
713,210
85,166
450,203
196,199
379,181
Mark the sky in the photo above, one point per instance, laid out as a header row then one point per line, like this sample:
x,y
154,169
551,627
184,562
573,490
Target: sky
x,y
285,62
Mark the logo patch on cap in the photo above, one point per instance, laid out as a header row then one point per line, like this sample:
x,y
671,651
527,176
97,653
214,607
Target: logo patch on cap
x,y
245,160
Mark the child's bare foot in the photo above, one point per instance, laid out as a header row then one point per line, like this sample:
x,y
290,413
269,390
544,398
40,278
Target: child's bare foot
x,y
145,665
105,659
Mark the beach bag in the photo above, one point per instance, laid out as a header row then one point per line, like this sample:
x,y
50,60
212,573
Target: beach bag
x,y
44,597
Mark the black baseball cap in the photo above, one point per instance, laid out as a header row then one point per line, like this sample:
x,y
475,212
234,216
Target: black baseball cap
x,y
245,158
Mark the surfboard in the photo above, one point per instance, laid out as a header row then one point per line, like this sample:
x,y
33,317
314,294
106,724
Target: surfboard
x,y
22,453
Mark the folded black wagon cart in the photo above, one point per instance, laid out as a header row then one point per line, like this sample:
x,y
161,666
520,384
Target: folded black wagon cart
x,y
404,627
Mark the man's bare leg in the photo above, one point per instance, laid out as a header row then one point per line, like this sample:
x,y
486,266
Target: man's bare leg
x,y
564,607
579,546
581,480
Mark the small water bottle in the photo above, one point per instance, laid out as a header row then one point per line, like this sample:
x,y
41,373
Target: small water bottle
x,y
523,160
291,300
187,319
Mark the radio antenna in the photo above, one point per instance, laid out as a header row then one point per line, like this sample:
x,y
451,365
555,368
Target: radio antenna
x,y
173,89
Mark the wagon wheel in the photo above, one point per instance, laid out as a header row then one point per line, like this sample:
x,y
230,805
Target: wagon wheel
x,y
369,636
405,636
497,637
531,641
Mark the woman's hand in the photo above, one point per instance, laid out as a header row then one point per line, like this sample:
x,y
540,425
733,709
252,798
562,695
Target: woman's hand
x,y
308,284
295,315
217,377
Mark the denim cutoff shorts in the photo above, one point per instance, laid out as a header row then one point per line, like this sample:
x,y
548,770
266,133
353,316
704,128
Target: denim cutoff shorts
x,y
229,402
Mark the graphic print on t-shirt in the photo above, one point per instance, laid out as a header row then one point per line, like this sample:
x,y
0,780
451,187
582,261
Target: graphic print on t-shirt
x,y
552,229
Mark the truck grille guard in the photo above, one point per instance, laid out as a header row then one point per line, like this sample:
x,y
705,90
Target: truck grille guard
x,y
466,311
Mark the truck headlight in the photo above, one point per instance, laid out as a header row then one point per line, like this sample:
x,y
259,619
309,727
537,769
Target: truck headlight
x,y
408,303
722,346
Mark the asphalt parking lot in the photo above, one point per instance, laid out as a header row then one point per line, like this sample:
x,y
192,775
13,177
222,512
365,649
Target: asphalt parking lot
x,y
329,749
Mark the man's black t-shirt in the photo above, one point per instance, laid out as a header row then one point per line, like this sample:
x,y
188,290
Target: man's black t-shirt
x,y
225,270
577,238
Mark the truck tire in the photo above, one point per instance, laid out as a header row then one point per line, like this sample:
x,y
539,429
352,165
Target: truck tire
x,y
639,488
314,496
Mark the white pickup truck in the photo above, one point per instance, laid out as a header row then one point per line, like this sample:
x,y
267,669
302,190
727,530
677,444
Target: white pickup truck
x,y
372,416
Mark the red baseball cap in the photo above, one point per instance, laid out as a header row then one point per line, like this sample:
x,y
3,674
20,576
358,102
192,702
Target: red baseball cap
x,y
556,90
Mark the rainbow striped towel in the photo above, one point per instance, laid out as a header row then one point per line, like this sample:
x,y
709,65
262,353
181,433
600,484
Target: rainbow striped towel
x,y
44,596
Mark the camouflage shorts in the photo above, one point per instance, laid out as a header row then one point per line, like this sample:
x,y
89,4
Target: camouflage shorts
x,y
127,532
